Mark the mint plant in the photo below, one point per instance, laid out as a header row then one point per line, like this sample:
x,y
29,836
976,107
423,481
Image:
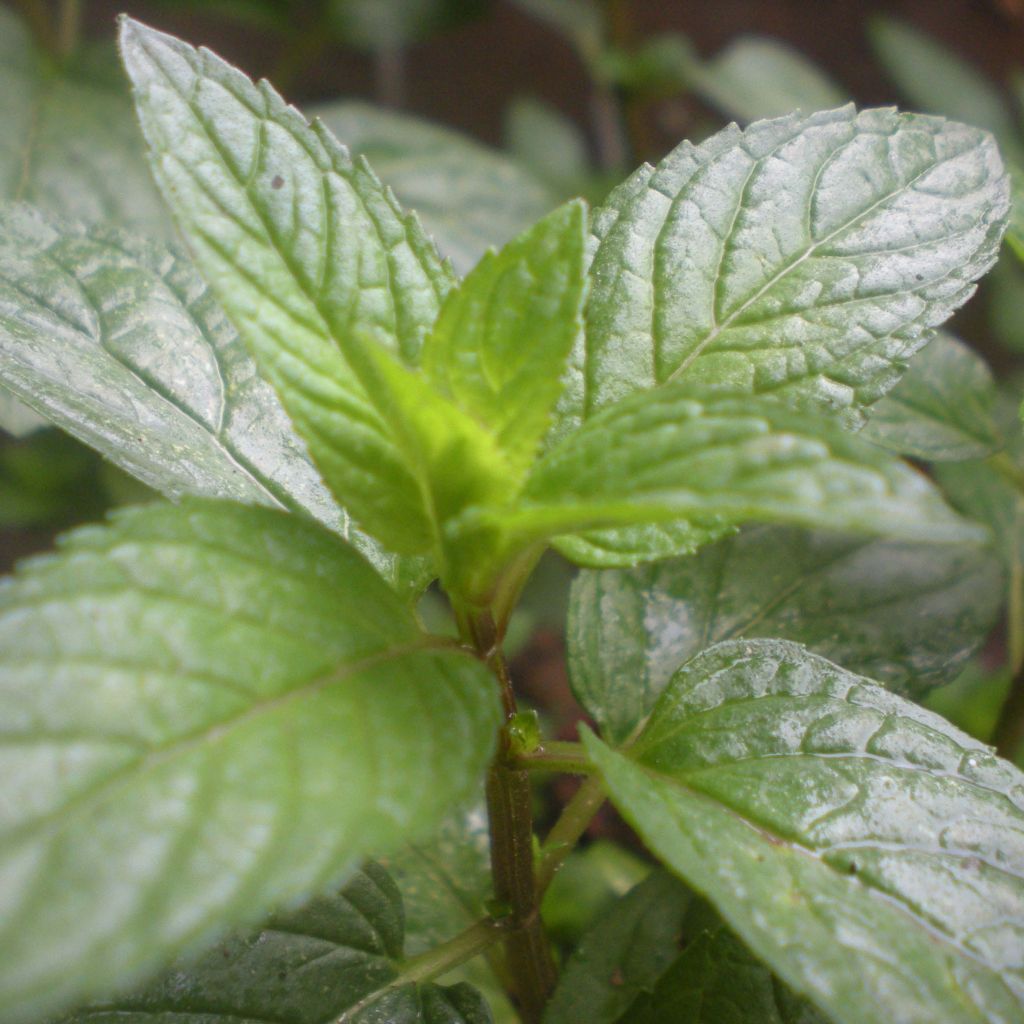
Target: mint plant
x,y
216,709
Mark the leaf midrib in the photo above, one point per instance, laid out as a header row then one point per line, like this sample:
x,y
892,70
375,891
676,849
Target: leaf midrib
x,y
722,326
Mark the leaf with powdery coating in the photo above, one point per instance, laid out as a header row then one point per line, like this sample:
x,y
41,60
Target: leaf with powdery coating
x,y
303,246
871,854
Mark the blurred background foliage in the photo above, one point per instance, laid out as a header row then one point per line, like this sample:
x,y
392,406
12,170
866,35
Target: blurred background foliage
x,y
483,115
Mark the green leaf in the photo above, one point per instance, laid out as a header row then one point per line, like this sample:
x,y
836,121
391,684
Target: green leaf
x,y
755,77
909,615
869,852
1004,290
1015,229
935,78
119,341
590,880
48,479
445,882
716,981
550,144
942,409
803,257
500,344
623,955
681,451
208,710
304,247
307,966
468,197
68,140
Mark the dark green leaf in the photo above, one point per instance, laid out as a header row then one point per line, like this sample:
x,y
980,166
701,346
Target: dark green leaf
x,y
869,852
445,882
942,409
468,197
306,966
909,615
716,981
68,140
208,710
755,77
500,344
303,247
623,955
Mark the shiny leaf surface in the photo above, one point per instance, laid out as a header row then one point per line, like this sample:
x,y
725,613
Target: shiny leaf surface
x,y
119,342
306,966
304,247
869,852
208,710
802,257
908,615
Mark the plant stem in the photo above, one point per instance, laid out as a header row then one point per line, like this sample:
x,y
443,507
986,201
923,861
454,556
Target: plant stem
x,y
69,20
557,756
510,814
1009,731
436,962
571,825
389,76
1007,468
38,20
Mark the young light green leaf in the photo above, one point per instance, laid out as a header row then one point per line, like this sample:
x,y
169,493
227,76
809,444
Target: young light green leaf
x,y
715,980
909,615
869,852
942,409
936,79
500,344
623,955
468,197
681,451
68,141
756,77
209,710
803,257
119,341
307,965
303,247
